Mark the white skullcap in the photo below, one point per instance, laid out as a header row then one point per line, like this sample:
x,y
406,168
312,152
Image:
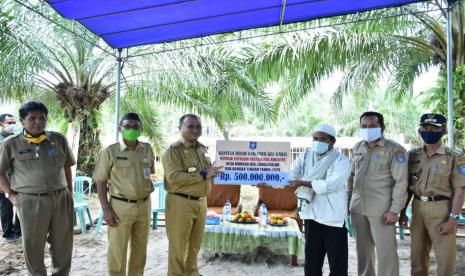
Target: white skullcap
x,y
326,129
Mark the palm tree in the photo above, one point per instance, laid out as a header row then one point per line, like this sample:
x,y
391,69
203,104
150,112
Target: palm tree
x,y
77,77
396,44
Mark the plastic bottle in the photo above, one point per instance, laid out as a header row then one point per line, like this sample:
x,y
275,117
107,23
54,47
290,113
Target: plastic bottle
x,y
227,211
263,214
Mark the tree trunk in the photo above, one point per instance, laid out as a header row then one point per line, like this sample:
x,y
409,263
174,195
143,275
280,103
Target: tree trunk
x,y
89,144
72,135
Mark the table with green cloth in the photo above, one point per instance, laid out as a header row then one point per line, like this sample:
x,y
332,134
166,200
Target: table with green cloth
x,y
229,237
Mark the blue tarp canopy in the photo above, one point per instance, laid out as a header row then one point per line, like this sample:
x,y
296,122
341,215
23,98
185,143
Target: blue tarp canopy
x,y
128,23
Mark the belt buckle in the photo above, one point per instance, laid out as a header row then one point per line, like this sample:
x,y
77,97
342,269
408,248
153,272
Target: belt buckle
x,y
424,198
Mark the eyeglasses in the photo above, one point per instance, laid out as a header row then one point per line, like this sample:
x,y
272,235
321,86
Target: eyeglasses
x,y
192,127
32,119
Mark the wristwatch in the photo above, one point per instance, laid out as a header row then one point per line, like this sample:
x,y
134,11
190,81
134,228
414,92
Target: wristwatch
x,y
455,217
203,174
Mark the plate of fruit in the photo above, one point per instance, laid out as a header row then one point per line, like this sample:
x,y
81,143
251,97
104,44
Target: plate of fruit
x,y
245,217
277,220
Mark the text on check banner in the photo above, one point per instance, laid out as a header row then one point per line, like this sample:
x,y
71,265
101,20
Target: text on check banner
x,y
253,162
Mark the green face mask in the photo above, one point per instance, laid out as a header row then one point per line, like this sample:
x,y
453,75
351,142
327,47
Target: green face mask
x,y
131,135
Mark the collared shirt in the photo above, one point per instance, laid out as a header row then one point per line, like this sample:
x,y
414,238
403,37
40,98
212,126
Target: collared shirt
x,y
182,163
37,168
378,181
439,174
329,203
127,170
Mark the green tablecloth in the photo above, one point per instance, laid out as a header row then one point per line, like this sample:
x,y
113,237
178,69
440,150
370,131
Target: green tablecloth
x,y
231,237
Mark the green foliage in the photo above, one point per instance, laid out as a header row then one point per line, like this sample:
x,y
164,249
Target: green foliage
x,y
400,118
437,99
75,77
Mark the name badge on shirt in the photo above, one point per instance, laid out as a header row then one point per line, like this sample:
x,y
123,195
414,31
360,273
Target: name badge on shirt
x,y
146,173
51,152
121,158
25,151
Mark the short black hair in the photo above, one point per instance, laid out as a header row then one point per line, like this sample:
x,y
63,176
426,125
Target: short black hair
x,y
183,117
3,117
373,114
32,106
130,116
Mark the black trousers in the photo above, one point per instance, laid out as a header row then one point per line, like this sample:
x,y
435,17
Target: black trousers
x,y
320,240
10,229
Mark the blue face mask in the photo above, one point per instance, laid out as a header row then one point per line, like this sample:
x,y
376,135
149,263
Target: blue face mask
x,y
320,147
431,137
370,134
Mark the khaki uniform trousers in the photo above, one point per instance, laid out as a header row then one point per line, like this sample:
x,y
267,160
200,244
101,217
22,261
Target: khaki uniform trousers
x,y
426,218
371,233
133,226
185,224
47,218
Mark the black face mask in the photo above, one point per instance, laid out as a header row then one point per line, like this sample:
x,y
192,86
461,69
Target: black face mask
x,y
431,137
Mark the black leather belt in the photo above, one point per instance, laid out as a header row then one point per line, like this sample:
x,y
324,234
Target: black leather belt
x,y
188,196
430,198
44,193
129,200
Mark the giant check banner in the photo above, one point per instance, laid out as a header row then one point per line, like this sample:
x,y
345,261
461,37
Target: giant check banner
x,y
252,162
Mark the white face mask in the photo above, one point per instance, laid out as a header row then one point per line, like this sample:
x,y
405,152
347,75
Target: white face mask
x,y
319,147
370,134
10,128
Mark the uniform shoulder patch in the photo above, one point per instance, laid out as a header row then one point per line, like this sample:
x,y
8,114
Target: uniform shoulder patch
x,y
461,168
401,157
454,152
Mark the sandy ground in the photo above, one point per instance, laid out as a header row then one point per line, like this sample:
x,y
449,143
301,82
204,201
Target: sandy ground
x,y
89,258
89,255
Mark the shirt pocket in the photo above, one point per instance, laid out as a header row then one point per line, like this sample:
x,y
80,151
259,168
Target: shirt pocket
x,y
442,170
441,175
25,160
59,156
358,160
383,164
122,164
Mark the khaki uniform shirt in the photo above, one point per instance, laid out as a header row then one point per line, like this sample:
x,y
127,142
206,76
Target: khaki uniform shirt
x,y
439,174
182,163
128,170
37,168
378,181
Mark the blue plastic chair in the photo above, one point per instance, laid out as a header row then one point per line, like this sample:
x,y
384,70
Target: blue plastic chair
x,y
461,220
161,203
349,224
79,204
99,222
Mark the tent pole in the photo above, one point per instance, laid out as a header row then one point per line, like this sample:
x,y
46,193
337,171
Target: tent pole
x,y
118,94
450,78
